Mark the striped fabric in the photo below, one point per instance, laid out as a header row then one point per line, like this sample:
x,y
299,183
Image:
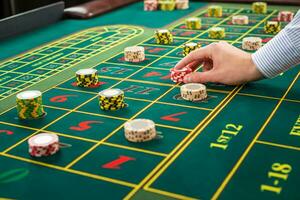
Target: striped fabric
x,y
280,53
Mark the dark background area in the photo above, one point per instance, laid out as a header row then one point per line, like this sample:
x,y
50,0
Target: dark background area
x,y
20,6
24,5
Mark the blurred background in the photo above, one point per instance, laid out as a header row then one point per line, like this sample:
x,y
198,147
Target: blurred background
x,y
11,7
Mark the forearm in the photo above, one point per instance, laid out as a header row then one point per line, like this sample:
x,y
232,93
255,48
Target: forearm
x,y
280,53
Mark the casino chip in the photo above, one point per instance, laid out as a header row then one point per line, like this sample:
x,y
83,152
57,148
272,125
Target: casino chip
x,y
193,91
166,5
163,36
193,23
134,54
285,16
251,43
177,75
140,130
216,33
272,27
182,4
189,47
29,105
43,144
150,5
259,7
240,19
111,99
214,11
87,77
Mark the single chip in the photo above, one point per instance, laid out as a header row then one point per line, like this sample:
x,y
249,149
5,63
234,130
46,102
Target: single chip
x,y
189,47
134,54
215,11
272,27
182,4
30,105
216,33
240,19
166,5
259,7
177,75
140,130
285,16
163,36
193,23
193,91
43,144
150,5
251,43
87,77
111,99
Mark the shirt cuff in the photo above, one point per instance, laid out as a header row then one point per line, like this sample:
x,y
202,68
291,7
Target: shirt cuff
x,y
276,56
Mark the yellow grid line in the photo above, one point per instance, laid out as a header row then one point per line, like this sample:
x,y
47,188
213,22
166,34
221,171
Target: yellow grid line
x,y
131,98
93,176
135,149
157,170
89,140
169,194
278,145
112,45
246,152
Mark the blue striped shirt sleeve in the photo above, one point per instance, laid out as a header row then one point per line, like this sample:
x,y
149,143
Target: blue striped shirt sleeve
x,y
280,53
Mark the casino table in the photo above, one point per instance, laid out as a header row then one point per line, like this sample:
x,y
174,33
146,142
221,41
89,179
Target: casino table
x,y
242,142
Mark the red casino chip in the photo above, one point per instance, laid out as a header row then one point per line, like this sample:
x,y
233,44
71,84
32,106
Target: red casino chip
x,y
178,75
43,144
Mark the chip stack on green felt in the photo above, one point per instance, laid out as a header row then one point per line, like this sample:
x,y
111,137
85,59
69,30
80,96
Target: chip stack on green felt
x,y
29,105
166,5
272,27
163,37
215,11
193,23
111,99
216,33
87,77
189,47
259,7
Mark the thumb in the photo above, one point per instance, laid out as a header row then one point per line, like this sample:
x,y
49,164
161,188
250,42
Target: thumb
x,y
199,77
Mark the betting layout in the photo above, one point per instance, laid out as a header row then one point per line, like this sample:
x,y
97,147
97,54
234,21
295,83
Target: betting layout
x,y
140,128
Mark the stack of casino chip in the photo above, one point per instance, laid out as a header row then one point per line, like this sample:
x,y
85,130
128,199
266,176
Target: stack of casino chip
x,y
166,5
43,144
111,99
216,33
259,7
193,23
193,91
189,47
163,37
182,4
177,75
140,130
272,27
215,11
134,54
86,77
150,5
29,105
251,43
240,19
285,16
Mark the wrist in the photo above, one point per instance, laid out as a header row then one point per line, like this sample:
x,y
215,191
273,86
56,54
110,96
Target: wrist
x,y
254,73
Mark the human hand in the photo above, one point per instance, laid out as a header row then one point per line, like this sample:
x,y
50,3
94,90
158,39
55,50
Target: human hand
x,y
222,63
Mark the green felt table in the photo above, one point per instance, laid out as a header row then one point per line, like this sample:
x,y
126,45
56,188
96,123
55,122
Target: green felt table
x,y
241,142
